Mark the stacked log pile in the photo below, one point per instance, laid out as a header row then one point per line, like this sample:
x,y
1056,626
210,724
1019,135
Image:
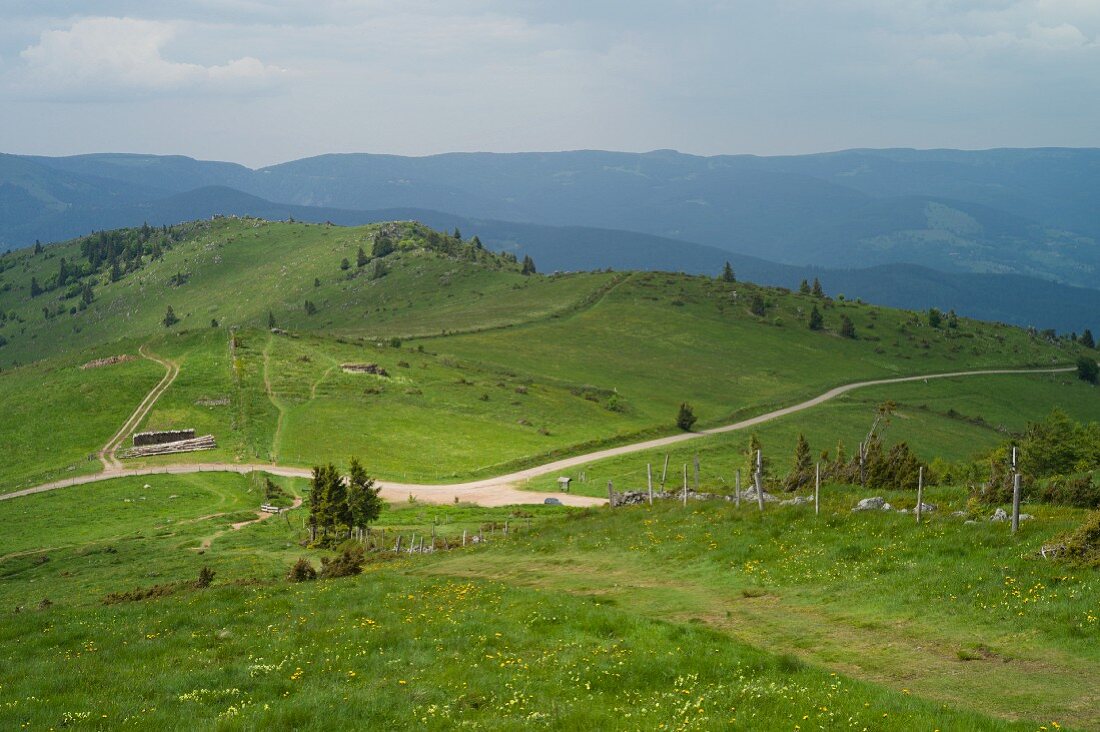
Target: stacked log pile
x,y
162,436
206,442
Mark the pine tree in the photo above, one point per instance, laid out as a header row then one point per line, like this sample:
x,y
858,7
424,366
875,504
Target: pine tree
x,y
170,318
361,258
727,273
847,327
528,267
457,235
817,291
310,308
685,419
757,306
804,287
1087,339
754,447
952,319
316,281
803,466
270,319
36,289
37,247
86,294
63,273
935,318
116,271
816,321
345,264
477,242
364,503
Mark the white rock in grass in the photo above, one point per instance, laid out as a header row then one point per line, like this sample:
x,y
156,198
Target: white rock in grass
x,y
999,515
870,504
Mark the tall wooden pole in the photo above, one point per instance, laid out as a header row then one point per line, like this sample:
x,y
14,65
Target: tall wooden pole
x,y
759,482
696,472
685,491
737,488
920,492
1015,493
649,480
817,490
610,495
664,473
1015,503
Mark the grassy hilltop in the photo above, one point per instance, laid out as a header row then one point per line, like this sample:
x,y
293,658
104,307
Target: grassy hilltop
x,y
489,368
668,617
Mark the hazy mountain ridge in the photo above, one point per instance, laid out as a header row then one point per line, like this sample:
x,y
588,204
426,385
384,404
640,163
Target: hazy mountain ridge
x,y
962,213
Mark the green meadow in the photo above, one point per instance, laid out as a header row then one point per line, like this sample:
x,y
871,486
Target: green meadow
x,y
668,617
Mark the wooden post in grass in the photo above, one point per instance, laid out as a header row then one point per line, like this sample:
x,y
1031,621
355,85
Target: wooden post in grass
x,y
1015,493
397,546
696,472
610,495
737,488
920,492
506,528
759,481
817,490
649,480
664,473
464,537
685,485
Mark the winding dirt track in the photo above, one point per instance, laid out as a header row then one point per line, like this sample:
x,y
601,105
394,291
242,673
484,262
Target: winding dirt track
x,y
107,455
501,490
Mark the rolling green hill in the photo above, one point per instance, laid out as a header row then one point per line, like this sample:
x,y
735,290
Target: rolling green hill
x,y
488,368
707,616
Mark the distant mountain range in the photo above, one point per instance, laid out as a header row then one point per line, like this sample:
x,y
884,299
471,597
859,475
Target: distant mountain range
x,y
1007,235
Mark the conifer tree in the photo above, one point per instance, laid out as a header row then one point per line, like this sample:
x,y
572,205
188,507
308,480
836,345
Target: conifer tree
x,y
361,258
803,465
477,242
727,273
457,235
816,321
757,306
528,267
804,287
1087,340
685,418
36,289
270,319
345,264
170,318
847,327
37,247
817,291
364,503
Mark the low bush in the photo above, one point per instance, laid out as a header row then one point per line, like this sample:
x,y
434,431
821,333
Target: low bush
x,y
302,571
347,563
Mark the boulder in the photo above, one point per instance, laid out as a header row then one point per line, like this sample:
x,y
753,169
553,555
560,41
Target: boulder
x,y
797,501
552,502
887,507
999,515
959,514
870,504
1026,517
927,507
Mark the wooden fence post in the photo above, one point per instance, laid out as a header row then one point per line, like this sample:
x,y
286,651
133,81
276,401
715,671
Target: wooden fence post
x,y
759,482
685,485
649,480
817,490
696,472
920,491
610,495
664,473
1015,503
464,537
737,488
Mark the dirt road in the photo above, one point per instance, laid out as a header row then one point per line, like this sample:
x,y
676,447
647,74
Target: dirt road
x,y
501,490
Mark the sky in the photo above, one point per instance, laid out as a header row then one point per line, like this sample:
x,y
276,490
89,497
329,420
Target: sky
x,y
265,81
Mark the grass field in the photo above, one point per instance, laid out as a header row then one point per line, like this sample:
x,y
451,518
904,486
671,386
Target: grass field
x,y
951,419
489,370
624,619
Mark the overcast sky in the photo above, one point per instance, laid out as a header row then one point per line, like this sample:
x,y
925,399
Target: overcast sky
x,y
263,81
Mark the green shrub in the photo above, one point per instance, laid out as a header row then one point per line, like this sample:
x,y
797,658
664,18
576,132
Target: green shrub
x,y
302,571
347,563
1080,492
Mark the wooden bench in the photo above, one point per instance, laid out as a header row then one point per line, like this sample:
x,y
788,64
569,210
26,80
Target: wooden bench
x,y
270,509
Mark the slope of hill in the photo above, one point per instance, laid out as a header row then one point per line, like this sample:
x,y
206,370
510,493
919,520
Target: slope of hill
x,y
1008,298
1023,212
487,368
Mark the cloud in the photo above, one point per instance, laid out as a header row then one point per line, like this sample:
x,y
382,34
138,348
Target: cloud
x,y
117,58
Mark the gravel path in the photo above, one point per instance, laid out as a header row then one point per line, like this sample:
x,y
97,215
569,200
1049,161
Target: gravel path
x,y
501,490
